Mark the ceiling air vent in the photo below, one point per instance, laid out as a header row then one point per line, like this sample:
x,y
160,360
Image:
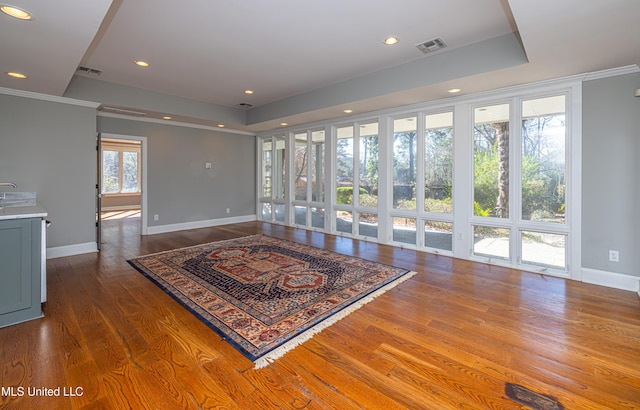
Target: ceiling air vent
x,y
431,45
88,71
244,106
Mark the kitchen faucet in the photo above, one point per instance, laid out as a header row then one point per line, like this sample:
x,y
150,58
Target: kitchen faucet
x,y
11,184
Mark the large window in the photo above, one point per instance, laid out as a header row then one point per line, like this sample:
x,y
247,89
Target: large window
x,y
308,178
484,178
491,161
519,182
543,159
404,163
120,167
438,181
356,165
272,156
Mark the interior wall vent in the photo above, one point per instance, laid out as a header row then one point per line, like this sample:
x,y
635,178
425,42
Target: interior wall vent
x,y
244,105
431,45
88,70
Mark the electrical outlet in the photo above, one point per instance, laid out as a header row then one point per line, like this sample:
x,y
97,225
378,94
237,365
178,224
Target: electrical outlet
x,y
228,210
156,217
207,165
614,256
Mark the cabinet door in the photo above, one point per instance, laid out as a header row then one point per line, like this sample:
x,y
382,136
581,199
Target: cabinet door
x,y
15,265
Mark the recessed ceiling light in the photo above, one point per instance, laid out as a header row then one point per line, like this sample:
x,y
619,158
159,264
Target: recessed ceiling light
x,y
347,111
167,117
248,92
284,124
141,63
15,12
454,90
220,125
16,75
391,40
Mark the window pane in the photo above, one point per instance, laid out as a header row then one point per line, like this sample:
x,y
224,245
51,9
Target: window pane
x,y
404,163
368,191
438,163
317,218
544,249
130,172
404,230
110,172
266,211
543,159
266,168
344,221
300,157
491,161
279,212
368,225
438,235
491,242
279,169
317,166
300,215
344,166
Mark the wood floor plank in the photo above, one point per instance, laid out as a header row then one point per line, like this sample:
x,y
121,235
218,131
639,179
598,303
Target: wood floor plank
x,y
450,337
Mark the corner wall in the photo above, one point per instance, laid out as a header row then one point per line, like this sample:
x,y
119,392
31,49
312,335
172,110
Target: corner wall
x,y
611,174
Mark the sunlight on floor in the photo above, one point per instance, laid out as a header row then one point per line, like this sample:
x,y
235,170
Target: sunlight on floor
x,y
110,215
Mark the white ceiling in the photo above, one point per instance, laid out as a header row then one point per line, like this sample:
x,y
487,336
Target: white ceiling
x,y
211,51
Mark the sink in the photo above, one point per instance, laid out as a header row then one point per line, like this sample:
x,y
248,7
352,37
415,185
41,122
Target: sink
x,y
13,199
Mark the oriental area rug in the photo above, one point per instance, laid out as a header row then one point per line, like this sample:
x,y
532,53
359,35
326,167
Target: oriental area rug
x,y
265,295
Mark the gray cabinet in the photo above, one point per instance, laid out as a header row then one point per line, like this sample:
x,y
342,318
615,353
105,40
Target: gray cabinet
x,y
20,264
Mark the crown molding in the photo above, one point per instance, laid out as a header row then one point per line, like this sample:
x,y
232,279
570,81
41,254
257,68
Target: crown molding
x,y
613,72
46,97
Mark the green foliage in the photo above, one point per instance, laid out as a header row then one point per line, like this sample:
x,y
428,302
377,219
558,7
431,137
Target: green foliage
x,y
485,189
344,195
367,200
438,205
543,194
407,204
479,211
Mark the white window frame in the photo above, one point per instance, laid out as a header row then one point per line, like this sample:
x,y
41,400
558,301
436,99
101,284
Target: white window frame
x,y
120,147
462,218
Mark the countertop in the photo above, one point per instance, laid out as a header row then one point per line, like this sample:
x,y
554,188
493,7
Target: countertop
x,y
14,211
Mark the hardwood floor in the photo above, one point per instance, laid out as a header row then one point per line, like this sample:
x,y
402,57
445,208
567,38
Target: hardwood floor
x,y
450,337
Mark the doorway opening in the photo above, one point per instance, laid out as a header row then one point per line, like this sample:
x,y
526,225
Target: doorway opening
x,y
121,181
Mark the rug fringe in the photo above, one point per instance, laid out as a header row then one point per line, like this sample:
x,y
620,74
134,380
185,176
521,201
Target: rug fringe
x,y
277,353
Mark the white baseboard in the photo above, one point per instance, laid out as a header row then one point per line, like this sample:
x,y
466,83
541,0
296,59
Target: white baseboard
x,y
69,250
151,230
611,279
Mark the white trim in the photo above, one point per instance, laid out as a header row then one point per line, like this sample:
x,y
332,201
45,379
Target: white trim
x,y
152,230
70,250
573,193
176,123
611,279
46,97
613,72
